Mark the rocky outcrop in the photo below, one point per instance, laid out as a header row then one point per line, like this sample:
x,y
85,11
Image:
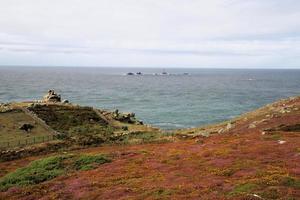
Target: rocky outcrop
x,y
5,107
52,97
125,117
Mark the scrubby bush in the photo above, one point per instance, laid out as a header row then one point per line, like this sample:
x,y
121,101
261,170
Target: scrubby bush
x,y
85,162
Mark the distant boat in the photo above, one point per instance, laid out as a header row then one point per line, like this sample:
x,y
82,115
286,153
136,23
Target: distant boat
x,y
164,73
130,74
139,73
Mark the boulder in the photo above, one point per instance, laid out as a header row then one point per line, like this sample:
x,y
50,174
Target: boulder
x,y
229,126
65,101
220,130
281,141
26,127
252,125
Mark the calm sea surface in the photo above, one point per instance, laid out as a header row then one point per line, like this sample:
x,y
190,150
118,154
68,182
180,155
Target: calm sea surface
x,y
174,101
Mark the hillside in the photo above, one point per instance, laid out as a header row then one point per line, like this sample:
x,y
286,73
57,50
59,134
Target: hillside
x,y
40,125
255,156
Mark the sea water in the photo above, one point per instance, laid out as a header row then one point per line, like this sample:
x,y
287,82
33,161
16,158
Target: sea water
x,y
171,101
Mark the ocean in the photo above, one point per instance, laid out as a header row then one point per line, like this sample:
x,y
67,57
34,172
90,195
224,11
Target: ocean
x,y
172,101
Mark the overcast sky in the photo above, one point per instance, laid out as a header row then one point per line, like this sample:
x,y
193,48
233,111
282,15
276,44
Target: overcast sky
x,y
151,33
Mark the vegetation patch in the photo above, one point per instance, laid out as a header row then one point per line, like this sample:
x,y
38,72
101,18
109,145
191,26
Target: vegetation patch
x,y
291,128
222,171
11,131
48,168
65,118
287,128
272,136
270,193
139,137
232,169
290,182
36,172
83,126
90,134
158,193
273,176
243,189
86,162
222,152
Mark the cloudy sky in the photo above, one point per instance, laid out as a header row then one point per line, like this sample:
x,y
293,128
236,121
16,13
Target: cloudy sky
x,y
151,33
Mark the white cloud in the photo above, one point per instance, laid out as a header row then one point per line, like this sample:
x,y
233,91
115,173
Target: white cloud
x,y
192,33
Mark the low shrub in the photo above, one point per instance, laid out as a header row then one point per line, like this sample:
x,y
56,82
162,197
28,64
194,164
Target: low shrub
x,y
86,162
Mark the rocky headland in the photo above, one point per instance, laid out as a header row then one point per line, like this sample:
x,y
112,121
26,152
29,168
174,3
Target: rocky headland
x,y
91,153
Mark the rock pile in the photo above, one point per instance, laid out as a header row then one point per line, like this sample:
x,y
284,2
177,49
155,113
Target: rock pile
x,y
125,117
4,107
52,97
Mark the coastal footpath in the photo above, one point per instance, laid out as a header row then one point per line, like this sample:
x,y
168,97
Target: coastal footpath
x,y
53,149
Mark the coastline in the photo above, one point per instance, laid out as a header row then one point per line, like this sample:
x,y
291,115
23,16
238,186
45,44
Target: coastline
x,y
255,155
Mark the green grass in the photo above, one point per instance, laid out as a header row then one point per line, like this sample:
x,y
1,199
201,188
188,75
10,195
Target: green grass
x,y
157,193
65,118
274,136
36,172
291,182
10,123
242,189
140,137
48,168
162,193
86,162
90,134
81,123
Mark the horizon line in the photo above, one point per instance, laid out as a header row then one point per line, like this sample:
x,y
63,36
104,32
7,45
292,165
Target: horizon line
x,y
154,67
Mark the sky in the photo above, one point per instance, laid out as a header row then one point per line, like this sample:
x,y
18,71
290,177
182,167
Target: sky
x,y
151,33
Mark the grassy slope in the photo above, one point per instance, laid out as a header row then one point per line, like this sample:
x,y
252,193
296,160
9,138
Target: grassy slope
x,y
10,123
65,118
238,164
80,127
